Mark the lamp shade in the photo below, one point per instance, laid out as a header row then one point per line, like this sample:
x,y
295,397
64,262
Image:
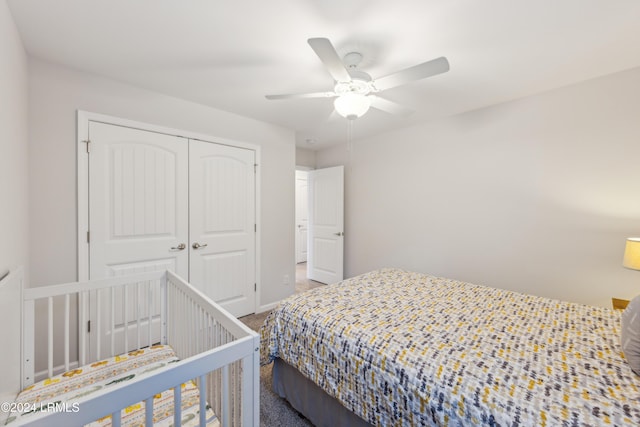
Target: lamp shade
x,y
352,105
632,253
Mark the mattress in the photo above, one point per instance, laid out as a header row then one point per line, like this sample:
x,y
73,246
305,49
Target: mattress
x,y
401,349
75,384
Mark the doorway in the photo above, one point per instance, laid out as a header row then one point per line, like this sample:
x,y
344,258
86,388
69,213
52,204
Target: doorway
x,y
319,227
303,283
302,216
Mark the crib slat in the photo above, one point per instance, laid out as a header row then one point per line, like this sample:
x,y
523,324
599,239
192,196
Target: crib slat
x,y
177,405
202,382
137,306
148,412
163,309
183,310
115,419
182,326
50,336
66,332
198,333
202,334
150,312
189,325
113,321
98,329
83,318
126,319
226,402
194,326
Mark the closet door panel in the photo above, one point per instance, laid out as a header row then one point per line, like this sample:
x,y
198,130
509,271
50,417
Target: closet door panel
x,y
222,224
138,204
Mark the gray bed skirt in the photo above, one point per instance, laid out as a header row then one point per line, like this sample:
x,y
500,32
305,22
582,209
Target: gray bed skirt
x,y
310,400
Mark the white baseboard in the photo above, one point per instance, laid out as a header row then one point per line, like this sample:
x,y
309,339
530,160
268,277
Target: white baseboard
x,y
267,307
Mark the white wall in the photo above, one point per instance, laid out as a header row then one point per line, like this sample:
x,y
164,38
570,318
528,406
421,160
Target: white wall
x,y
14,234
305,157
13,145
55,95
535,195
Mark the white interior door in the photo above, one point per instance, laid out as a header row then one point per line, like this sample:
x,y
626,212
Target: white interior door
x,y
222,224
138,220
302,217
138,205
326,224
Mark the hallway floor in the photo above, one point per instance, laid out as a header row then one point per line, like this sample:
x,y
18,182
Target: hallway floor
x,y
302,283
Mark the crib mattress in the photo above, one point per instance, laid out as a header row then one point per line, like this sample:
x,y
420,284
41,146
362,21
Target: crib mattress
x,y
75,384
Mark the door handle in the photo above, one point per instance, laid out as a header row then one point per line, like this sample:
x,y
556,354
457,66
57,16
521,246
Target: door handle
x,y
180,247
197,245
340,233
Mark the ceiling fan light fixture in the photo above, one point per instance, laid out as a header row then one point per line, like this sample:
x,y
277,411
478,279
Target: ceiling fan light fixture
x,y
352,105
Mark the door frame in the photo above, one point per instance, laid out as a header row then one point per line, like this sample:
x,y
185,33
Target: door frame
x,y
301,169
338,231
83,120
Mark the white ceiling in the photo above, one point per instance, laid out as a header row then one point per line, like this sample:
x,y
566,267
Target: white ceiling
x,y
228,54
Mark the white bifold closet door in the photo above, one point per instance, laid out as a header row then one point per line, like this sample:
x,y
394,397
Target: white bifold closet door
x,y
222,226
138,201
164,202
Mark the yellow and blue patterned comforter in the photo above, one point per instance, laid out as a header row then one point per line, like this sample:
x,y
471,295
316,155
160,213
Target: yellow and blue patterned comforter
x,y
407,349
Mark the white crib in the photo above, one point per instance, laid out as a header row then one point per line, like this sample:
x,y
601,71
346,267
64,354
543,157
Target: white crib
x,y
215,350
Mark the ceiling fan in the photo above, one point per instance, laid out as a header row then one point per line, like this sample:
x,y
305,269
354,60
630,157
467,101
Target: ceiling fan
x,y
354,90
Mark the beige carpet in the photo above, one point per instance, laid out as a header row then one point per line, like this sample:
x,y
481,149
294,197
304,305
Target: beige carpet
x,y
275,411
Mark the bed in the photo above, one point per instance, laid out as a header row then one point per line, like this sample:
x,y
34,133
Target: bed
x,y
397,348
156,351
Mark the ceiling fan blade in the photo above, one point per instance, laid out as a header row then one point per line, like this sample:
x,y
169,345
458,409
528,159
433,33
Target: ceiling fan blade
x,y
302,95
390,106
417,72
329,57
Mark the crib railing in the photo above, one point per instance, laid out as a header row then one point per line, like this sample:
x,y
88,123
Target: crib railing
x,y
67,313
234,388
216,351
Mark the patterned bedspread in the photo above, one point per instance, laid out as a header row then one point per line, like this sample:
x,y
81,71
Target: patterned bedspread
x,y
72,385
406,349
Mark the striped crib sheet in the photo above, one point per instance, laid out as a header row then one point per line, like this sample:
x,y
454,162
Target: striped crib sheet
x,y
75,384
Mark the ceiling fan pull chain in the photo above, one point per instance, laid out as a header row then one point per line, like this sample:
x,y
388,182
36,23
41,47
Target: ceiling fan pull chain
x,y
350,141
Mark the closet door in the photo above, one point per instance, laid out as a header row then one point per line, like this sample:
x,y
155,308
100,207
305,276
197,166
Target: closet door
x,y
138,201
222,224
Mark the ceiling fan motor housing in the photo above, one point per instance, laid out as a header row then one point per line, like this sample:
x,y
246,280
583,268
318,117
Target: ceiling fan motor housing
x,y
360,83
